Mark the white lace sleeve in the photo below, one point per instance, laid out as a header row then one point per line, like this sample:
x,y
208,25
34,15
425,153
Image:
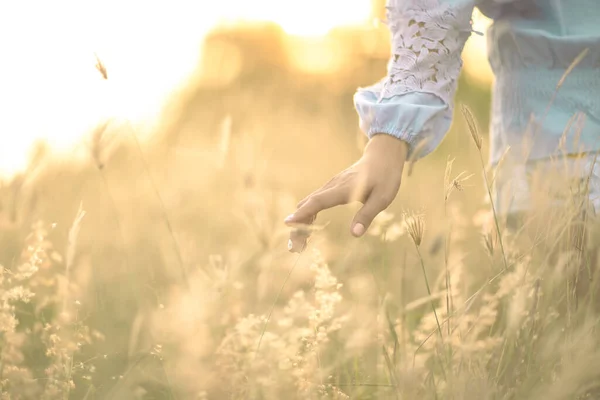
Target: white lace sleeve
x,y
414,101
428,37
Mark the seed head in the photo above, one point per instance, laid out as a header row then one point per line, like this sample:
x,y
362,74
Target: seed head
x,y
472,126
100,67
415,225
456,183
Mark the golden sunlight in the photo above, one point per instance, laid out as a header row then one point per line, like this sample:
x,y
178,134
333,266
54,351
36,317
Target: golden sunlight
x,y
51,91
50,88
475,53
305,18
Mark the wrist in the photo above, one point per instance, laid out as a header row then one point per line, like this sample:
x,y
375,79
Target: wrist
x,y
381,142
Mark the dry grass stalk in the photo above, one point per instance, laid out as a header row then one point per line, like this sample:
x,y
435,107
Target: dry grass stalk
x,y
71,249
472,124
478,142
571,67
415,225
96,146
100,67
454,184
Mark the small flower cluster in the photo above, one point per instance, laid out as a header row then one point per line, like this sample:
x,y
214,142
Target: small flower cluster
x,y
35,284
301,331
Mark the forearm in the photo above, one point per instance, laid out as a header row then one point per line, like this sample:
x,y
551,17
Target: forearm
x,y
391,144
414,101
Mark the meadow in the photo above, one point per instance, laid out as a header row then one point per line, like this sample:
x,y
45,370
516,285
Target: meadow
x,y
158,269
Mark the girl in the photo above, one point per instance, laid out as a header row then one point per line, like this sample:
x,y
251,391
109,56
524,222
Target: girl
x,y
534,45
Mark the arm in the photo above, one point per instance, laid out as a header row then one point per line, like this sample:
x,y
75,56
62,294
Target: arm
x,y
411,104
414,101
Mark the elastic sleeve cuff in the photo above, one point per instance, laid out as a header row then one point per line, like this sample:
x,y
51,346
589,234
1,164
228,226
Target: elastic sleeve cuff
x,y
419,119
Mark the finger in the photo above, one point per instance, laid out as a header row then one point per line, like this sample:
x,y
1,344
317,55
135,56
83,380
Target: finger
x,y
326,186
377,201
307,214
298,240
299,237
322,201
304,200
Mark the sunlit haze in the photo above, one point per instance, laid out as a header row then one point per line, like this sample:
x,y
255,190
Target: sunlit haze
x,y
50,90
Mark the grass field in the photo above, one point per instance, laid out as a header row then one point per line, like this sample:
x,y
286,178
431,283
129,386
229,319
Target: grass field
x,y
158,269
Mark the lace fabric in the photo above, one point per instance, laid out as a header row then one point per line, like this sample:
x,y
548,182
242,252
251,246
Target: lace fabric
x,y
414,101
427,40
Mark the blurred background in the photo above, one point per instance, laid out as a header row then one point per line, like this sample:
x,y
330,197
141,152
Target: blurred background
x,y
214,120
157,52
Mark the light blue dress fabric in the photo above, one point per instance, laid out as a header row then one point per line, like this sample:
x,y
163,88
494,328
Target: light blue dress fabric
x,y
532,45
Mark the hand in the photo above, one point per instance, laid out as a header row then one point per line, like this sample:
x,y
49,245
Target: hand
x,y
373,180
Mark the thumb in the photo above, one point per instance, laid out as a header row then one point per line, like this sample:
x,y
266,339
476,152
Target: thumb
x,y
375,204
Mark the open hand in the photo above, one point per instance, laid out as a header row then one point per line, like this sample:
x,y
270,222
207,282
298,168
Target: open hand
x,y
374,180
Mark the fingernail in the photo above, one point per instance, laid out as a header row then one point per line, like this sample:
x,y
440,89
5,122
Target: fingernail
x,y
289,218
358,229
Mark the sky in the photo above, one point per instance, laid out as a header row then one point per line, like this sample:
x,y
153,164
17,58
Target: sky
x,y
50,90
